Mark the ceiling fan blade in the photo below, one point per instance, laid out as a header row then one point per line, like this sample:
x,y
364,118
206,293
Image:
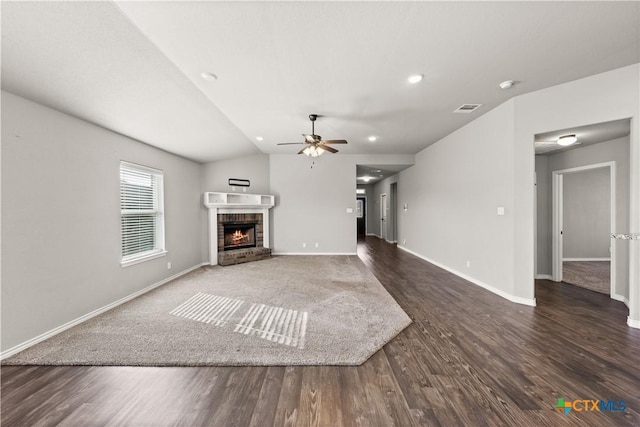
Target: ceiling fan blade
x,y
309,138
291,143
302,151
335,141
327,148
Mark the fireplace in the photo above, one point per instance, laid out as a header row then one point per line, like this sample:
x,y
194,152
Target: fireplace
x,y
239,236
238,227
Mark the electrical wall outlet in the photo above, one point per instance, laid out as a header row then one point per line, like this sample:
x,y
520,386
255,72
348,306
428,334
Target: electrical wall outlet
x,y
404,241
304,245
168,266
317,244
468,263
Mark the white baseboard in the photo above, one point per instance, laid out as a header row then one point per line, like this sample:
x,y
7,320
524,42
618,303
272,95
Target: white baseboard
x,y
373,234
519,300
314,253
586,259
33,341
633,323
620,298
543,276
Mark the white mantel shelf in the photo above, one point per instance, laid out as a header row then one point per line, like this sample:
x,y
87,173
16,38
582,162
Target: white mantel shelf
x,y
235,203
238,200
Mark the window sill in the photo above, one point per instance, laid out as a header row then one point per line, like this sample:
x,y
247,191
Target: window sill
x,y
142,258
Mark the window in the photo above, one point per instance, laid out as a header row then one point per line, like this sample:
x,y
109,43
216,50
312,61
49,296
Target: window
x,y
141,213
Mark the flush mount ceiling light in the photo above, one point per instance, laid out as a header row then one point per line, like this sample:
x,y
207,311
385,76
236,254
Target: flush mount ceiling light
x,y
372,138
565,140
259,138
208,76
415,78
507,84
367,178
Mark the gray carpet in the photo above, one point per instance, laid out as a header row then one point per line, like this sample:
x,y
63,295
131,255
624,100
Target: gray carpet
x,y
297,310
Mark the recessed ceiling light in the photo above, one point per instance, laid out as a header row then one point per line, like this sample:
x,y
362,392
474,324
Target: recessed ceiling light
x,y
565,140
415,78
506,84
376,170
259,138
209,76
372,138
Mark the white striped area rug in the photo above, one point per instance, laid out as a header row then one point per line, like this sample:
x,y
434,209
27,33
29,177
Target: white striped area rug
x,y
207,308
276,324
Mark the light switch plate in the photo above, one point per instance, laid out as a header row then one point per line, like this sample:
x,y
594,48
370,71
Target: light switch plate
x,y
349,210
500,210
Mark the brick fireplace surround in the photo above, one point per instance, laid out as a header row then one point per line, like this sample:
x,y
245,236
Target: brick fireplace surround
x,y
241,209
237,256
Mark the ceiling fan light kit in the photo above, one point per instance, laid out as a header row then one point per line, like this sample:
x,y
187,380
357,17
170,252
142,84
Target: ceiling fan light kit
x,y
566,140
315,145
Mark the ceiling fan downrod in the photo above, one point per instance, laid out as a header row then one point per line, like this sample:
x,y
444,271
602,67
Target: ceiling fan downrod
x,y
313,118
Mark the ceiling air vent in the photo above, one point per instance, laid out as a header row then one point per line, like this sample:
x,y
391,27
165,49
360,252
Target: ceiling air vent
x,y
467,108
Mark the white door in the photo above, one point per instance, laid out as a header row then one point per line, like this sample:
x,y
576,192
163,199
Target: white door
x,y
383,216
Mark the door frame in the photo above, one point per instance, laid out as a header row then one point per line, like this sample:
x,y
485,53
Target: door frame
x,y
557,193
383,215
364,213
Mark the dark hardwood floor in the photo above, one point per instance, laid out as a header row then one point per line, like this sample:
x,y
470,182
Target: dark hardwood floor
x,y
592,275
470,358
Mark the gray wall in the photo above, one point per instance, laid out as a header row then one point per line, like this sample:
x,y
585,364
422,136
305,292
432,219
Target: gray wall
x,y
61,218
616,150
215,175
543,216
586,214
311,203
452,194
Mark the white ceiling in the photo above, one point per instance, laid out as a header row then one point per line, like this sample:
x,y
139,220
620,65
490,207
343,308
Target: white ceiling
x,y
134,67
546,143
376,173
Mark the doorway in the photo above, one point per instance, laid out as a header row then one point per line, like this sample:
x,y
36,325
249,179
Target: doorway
x,y
361,216
584,217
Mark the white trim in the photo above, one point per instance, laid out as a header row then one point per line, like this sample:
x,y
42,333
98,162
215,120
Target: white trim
x,y
499,292
543,276
586,259
373,234
55,331
139,259
557,226
314,253
633,323
384,218
141,167
621,298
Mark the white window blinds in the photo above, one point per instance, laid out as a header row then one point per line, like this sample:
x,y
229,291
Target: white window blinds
x,y
141,212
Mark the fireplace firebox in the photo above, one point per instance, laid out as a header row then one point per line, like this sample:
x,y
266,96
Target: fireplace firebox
x,y
239,236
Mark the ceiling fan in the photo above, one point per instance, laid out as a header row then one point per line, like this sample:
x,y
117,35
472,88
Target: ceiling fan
x,y
315,146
